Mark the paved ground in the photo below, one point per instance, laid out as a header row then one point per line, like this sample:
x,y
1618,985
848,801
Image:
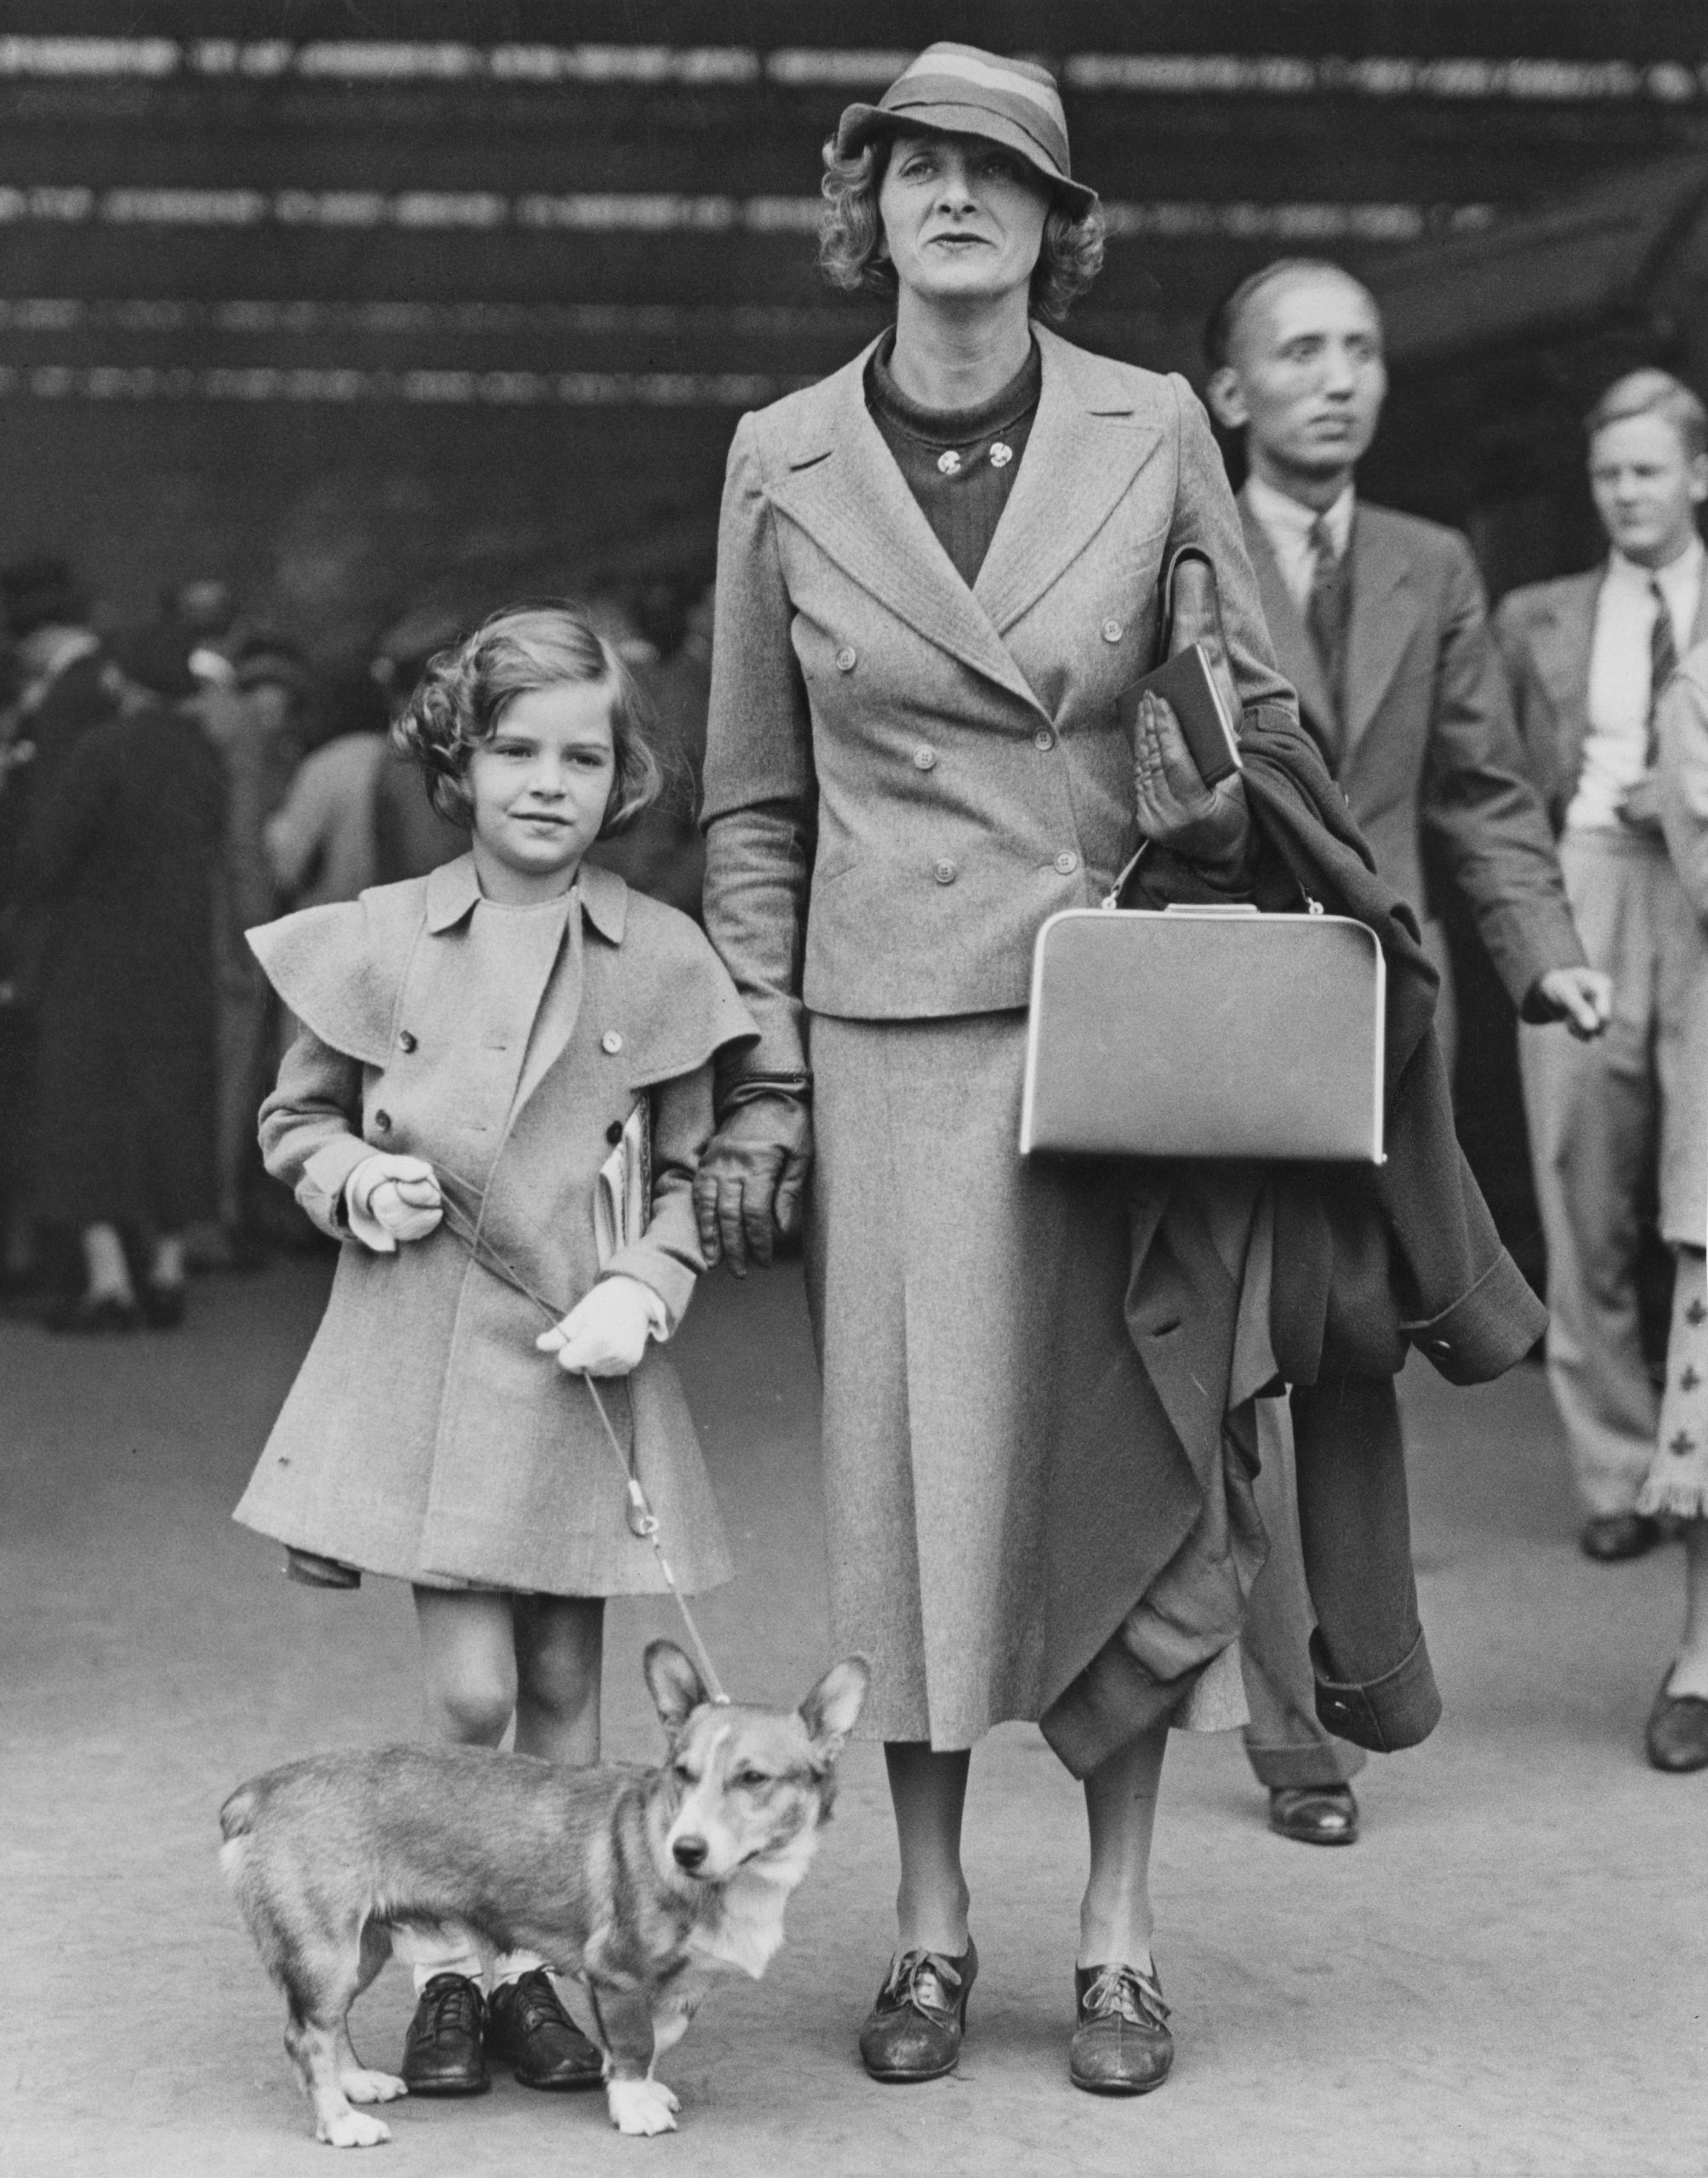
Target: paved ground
x,y
1507,1975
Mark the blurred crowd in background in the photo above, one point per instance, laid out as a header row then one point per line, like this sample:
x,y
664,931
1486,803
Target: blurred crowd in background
x,y
163,788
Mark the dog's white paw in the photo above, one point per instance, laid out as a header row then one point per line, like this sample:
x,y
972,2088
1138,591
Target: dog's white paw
x,y
641,2107
364,2086
352,2129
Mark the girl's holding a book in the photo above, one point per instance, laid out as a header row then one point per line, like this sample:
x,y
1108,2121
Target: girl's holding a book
x,y
499,1095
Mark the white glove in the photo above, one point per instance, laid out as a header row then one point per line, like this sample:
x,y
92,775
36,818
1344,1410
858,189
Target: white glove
x,y
389,1199
606,1333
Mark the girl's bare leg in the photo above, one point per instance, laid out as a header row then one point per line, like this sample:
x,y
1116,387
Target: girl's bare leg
x,y
469,1673
928,1792
468,1662
1115,1919
560,1651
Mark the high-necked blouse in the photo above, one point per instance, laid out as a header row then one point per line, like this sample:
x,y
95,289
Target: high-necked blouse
x,y
960,464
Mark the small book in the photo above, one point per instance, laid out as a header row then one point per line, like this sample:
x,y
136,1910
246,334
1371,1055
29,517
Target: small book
x,y
623,1201
1186,684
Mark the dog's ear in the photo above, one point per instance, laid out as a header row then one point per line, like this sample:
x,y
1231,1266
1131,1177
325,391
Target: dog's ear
x,y
675,1686
830,1711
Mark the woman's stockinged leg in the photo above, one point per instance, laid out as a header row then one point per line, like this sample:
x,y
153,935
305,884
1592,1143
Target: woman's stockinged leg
x,y
468,1664
1115,1919
559,1650
1355,1523
928,1792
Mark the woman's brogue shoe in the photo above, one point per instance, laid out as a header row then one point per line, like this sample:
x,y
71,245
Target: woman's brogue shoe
x,y
1314,1815
914,2030
441,2052
1122,2044
528,2029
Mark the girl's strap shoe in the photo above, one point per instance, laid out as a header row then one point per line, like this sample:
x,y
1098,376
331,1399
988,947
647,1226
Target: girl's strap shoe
x,y
1122,2044
914,2030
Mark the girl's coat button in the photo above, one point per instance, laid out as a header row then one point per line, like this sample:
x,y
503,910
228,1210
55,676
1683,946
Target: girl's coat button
x,y
406,1042
382,1122
613,1133
611,1042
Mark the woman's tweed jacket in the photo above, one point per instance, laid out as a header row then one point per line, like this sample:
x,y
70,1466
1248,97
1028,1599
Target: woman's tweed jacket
x,y
424,1436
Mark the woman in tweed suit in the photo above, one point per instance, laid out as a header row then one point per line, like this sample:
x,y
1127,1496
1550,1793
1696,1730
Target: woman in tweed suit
x,y
937,571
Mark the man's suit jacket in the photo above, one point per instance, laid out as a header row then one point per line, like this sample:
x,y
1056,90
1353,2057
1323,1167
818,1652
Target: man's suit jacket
x,y
1424,744
1545,632
933,769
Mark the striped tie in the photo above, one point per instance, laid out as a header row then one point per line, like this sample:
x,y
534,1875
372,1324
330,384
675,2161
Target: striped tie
x,y
1663,662
1325,611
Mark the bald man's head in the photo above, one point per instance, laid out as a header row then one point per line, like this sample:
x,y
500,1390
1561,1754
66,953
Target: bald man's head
x,y
1301,373
1227,320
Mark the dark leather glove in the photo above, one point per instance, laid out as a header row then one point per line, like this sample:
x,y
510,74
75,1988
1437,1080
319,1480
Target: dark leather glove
x,y
748,1191
1208,826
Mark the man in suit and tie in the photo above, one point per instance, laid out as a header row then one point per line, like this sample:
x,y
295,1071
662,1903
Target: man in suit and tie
x,y
1378,620
1588,656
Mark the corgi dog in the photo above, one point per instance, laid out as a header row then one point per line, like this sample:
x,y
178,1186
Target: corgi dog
x,y
641,1882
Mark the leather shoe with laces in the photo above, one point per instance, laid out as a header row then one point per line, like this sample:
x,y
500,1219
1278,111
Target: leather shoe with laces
x,y
914,2030
1122,2044
528,2029
1314,1815
441,2052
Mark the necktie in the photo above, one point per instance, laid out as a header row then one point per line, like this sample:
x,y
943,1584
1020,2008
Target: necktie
x,y
1663,661
1325,611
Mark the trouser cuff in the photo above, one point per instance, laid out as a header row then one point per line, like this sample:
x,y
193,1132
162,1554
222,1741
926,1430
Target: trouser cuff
x,y
1315,1764
1399,1709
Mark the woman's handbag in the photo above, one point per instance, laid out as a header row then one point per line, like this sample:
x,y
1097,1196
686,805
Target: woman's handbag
x,y
1204,1031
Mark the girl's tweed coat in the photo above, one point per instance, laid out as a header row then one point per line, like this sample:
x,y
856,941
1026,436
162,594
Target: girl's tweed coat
x,y
425,1436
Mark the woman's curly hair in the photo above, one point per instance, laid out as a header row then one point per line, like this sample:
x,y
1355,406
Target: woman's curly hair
x,y
461,695
850,236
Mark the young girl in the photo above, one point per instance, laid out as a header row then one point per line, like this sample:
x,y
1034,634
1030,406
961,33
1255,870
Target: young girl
x,y
475,1044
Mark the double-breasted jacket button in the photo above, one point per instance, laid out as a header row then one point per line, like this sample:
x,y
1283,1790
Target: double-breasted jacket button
x,y
406,1042
847,658
945,872
382,1122
925,760
611,1042
1113,630
613,1133
1066,862
1044,738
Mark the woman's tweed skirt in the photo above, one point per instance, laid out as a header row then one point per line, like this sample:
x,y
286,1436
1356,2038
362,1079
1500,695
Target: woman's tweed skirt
x,y
968,1304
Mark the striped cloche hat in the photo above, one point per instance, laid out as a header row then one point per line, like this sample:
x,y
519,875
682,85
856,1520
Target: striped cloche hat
x,y
967,92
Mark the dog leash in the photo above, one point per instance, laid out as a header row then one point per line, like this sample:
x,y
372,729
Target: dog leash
x,y
643,1521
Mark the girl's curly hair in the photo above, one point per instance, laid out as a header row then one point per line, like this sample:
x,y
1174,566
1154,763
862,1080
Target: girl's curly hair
x,y
850,236
464,692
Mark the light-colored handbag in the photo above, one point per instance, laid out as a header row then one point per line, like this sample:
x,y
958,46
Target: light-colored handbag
x,y
1212,1031
1205,1032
